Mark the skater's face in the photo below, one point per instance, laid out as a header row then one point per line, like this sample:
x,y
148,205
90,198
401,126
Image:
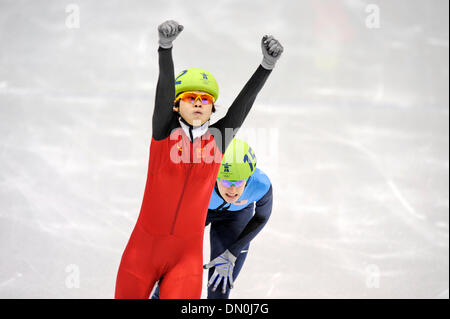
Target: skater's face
x,y
196,113
231,194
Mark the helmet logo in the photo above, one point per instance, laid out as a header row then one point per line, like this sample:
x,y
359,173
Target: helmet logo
x,y
226,167
205,76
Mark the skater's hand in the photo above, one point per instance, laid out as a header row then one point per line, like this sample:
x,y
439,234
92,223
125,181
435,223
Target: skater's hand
x,y
224,270
168,31
272,50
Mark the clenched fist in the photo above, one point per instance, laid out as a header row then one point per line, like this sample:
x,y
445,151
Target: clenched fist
x,y
168,31
272,50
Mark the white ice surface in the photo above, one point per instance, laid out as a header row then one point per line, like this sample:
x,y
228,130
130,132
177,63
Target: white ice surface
x,y
352,128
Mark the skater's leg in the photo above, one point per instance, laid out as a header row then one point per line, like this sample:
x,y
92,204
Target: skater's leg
x,y
155,294
183,278
137,272
240,261
130,286
184,287
223,234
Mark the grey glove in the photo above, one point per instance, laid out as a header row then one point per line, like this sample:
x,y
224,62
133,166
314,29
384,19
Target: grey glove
x,y
224,270
168,31
272,50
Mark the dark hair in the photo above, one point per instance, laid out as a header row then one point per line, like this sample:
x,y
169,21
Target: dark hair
x,y
177,104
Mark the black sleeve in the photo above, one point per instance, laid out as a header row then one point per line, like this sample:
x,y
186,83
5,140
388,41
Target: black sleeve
x,y
238,111
163,114
262,213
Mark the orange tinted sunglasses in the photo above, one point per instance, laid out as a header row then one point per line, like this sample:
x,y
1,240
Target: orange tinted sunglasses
x,y
191,97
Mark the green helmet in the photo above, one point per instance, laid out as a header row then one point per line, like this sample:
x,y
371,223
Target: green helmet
x,y
238,163
195,79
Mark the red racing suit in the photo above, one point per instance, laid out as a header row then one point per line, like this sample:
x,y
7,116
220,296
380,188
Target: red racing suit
x,y
167,240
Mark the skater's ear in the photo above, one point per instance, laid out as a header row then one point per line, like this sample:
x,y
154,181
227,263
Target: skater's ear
x,y
176,107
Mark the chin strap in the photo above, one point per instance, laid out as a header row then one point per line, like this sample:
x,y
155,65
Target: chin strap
x,y
193,131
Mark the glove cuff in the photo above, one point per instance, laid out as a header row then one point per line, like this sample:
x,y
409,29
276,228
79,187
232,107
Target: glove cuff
x,y
230,256
165,44
268,65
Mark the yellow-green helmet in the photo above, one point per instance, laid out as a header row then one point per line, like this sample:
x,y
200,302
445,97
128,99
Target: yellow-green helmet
x,y
195,79
238,163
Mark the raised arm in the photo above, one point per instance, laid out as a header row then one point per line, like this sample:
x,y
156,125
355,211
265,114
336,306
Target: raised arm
x,y
238,111
165,89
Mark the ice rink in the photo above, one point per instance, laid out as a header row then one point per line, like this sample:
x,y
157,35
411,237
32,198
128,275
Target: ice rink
x,y
352,127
